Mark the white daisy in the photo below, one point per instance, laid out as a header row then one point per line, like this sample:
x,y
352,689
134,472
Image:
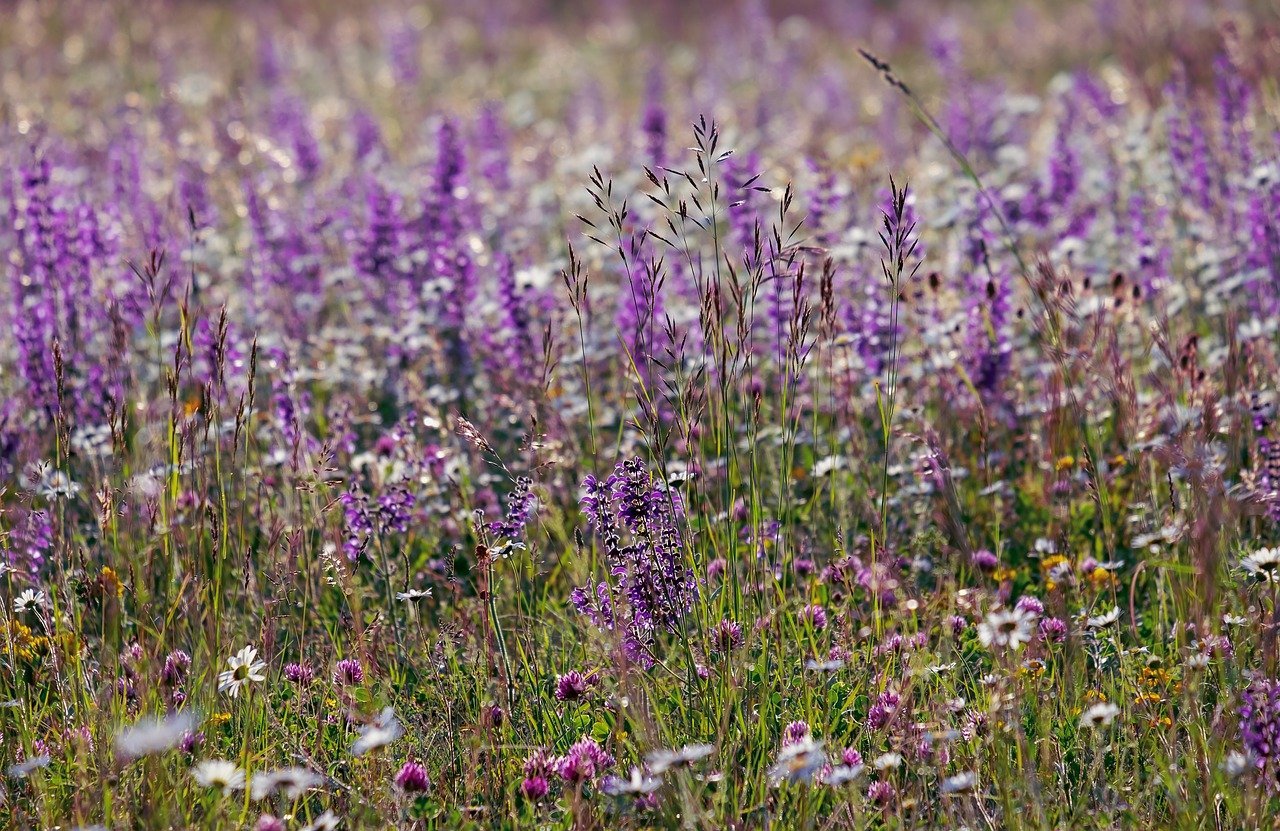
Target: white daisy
x,y
29,599
1263,565
660,761
959,783
834,665
1099,715
243,668
21,770
328,821
1104,620
639,783
149,736
290,782
220,774
798,762
380,732
844,775
887,761
413,595
1236,764
55,484
1007,629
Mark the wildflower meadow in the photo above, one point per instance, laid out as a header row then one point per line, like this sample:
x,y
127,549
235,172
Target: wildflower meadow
x,y
559,414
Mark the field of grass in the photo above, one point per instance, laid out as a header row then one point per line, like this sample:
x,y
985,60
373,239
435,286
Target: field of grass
x,y
571,415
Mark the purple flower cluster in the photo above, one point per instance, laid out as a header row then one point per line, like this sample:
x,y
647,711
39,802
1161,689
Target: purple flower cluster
x,y
1260,726
520,504
390,513
638,521
583,763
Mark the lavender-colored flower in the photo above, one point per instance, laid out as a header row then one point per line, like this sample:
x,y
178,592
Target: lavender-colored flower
x,y
191,742
269,822
883,710
585,761
520,504
796,731
1260,726
726,637
359,524
348,673
881,794
814,616
650,568
176,665
539,763
983,560
300,674
1053,630
534,787
572,686
413,778
1030,605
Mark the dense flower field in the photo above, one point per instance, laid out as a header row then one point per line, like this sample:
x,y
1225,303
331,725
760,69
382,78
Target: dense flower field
x,y
571,415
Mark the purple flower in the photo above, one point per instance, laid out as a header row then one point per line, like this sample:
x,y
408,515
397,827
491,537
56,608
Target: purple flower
x,y
348,673
881,794
814,616
984,561
191,742
1053,630
299,674
638,519
572,686
534,787
539,763
175,669
883,710
520,504
1029,604
413,778
795,732
726,637
1260,725
584,762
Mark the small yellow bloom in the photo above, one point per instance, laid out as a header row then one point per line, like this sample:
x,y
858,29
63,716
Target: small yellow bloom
x,y
24,644
219,719
864,158
1102,578
1155,676
1065,462
1052,561
1032,668
111,582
